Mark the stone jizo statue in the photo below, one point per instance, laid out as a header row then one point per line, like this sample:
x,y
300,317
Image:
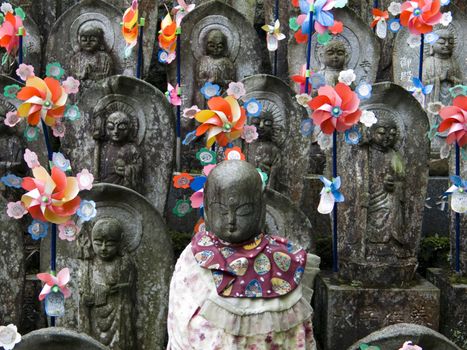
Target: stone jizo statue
x,y
233,276
334,58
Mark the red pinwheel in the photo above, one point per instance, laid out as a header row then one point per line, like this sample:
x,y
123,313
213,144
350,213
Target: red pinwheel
x,y
421,15
335,108
455,121
378,15
9,29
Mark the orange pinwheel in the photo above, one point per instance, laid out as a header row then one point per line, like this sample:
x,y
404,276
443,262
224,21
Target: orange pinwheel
x,y
44,99
130,25
52,198
168,34
455,121
421,15
9,31
223,122
378,15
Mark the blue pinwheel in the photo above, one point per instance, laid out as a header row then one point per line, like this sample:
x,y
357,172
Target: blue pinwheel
x,y
330,194
419,87
458,193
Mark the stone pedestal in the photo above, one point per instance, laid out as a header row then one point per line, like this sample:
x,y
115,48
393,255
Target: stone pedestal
x,y
345,313
453,304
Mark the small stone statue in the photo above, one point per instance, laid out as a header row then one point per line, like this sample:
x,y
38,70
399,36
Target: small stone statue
x,y
441,69
264,153
232,277
91,62
107,311
118,158
386,232
334,58
215,66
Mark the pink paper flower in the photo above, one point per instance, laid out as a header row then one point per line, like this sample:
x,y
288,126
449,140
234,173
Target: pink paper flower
x,y
58,129
71,85
31,159
61,280
68,231
249,133
174,98
236,90
25,71
85,180
408,345
189,113
16,210
11,119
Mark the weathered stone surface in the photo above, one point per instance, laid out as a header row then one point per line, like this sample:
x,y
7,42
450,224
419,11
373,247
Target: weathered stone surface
x,y
384,181
361,50
118,297
436,215
346,313
453,303
281,151
394,336
140,156
58,339
88,43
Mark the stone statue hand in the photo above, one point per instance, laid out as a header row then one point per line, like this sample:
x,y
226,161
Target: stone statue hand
x,y
120,167
389,183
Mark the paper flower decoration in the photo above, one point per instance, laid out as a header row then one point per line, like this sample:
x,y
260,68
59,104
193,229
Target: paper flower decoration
x,y
352,136
335,108
11,90
11,180
363,90
130,27
454,120
303,99
379,20
190,112
209,90
249,133
223,122
368,118
173,95
52,198
182,207
234,153
347,76
51,281
58,130
420,15
395,8
446,19
408,345
16,210
394,25
71,85
252,107
206,156
9,335
458,193
85,180
38,229
324,141
59,160
43,99
72,112
330,194
87,210
9,31
431,38
11,119
68,231
25,71
189,137
168,34
306,127
264,177
273,35
54,70
182,180
236,89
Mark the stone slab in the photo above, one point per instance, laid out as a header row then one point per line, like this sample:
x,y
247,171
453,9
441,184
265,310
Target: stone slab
x,y
436,216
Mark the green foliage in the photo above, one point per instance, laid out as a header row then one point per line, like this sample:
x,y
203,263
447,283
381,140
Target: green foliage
x,y
434,252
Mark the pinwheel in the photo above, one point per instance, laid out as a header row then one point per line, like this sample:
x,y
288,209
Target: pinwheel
x,y
130,26
335,108
458,193
421,15
223,122
273,35
9,31
168,34
61,280
44,99
173,96
330,194
379,20
181,10
52,198
455,121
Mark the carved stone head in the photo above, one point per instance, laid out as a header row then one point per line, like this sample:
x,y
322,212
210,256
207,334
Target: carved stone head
x,y
91,38
233,201
444,46
334,55
216,44
118,127
264,126
383,134
107,235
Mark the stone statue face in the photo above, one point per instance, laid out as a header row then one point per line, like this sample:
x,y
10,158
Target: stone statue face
x,y
90,38
234,201
384,135
444,46
118,127
264,126
106,238
216,45
334,55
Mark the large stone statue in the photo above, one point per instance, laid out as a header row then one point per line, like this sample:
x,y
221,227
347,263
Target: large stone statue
x,y
232,278
108,288
334,58
91,62
117,158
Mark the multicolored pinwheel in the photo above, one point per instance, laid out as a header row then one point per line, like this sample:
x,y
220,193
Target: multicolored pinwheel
x,y
9,31
61,281
455,121
130,27
419,16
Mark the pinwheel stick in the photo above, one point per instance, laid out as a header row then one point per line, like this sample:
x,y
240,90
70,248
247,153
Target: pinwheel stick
x,y
308,50
458,216
276,17
422,49
335,266
139,62
20,46
179,128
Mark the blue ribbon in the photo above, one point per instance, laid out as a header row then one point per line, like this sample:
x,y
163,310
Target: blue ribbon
x,y
335,262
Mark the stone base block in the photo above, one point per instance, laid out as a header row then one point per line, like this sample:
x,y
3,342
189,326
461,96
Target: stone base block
x,y
453,306
345,313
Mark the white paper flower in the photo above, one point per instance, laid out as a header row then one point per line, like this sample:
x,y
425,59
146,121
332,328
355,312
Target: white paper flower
x,y
189,113
249,133
236,90
434,107
446,19
25,71
324,141
11,119
85,180
303,99
347,76
368,118
6,7
9,336
414,41
395,8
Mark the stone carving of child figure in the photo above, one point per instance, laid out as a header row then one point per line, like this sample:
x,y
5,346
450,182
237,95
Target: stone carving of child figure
x,y
215,66
235,287
386,170
91,62
119,160
334,57
108,292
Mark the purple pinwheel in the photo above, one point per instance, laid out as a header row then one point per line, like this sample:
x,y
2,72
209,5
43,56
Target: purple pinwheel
x,y
330,194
